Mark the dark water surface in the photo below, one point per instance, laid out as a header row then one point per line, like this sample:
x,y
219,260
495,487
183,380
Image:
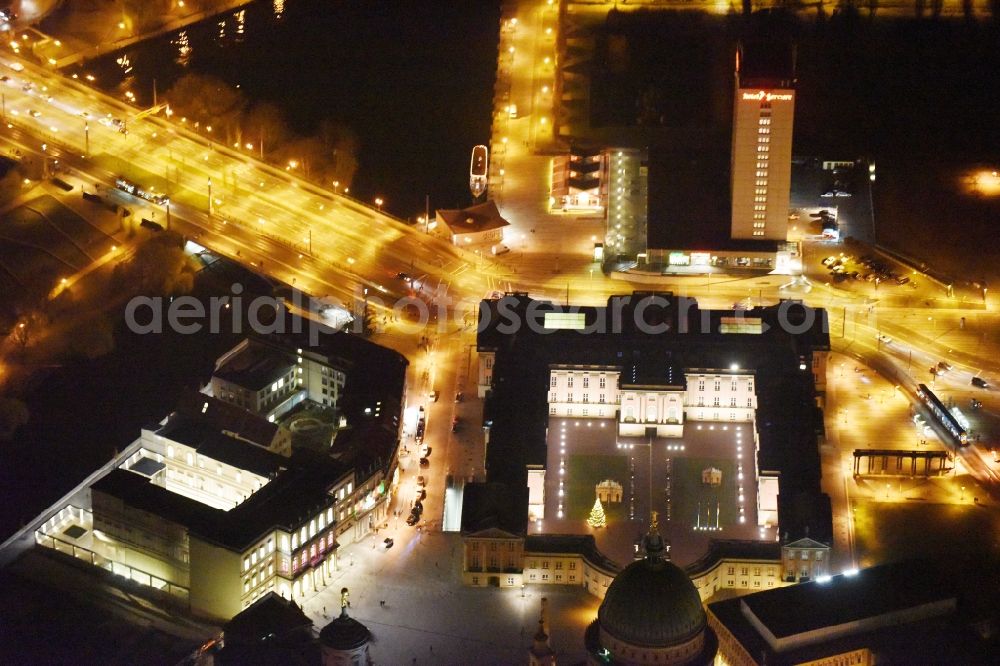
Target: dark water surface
x,y
413,80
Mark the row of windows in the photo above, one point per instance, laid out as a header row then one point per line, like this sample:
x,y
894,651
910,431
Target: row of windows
x,y
586,382
761,182
759,216
765,120
715,402
554,397
493,546
717,385
251,581
758,233
760,207
558,578
764,130
762,173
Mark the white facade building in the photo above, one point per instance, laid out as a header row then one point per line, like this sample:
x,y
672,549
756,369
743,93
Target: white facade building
x,y
705,395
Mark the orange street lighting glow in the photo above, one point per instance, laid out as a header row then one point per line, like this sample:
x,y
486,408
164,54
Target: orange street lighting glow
x,y
986,183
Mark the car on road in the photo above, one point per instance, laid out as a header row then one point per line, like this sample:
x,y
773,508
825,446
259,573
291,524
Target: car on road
x,y
424,462
434,395
418,508
388,543
943,367
421,481
33,113
403,276
499,249
459,396
841,193
413,519
885,339
454,424
421,494
980,382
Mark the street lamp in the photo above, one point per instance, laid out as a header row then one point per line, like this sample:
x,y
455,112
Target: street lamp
x,y
336,184
379,202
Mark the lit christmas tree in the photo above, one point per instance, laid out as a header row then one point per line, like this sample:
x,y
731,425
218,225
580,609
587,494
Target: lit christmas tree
x,y
597,518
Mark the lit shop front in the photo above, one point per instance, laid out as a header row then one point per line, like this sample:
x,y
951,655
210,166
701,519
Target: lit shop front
x,y
782,260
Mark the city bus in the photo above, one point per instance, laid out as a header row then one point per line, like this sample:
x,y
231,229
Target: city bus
x,y
942,415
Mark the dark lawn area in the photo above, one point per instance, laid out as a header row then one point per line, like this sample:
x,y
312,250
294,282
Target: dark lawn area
x,y
886,531
583,473
42,241
690,497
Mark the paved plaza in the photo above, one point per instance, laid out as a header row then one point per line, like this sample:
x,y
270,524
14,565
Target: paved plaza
x,y
584,452
431,617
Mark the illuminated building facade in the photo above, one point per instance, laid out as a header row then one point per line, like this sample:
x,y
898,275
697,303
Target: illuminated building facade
x,y
217,506
763,116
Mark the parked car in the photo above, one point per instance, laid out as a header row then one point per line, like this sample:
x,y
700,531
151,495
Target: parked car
x,y
421,494
434,395
418,508
421,481
388,543
459,396
424,462
413,519
499,249
454,424
885,339
426,452
980,382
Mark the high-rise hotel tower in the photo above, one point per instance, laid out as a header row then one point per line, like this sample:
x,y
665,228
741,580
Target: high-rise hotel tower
x,y
763,114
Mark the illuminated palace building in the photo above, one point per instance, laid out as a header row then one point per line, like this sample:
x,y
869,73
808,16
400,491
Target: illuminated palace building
x,y
598,416
253,489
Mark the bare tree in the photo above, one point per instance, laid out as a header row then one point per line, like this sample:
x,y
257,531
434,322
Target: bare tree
x,y
264,126
208,101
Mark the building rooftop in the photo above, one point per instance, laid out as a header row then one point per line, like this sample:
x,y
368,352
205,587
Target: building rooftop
x,y
256,366
271,614
846,599
227,417
494,506
295,494
213,443
481,217
734,549
854,603
766,63
581,544
689,202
